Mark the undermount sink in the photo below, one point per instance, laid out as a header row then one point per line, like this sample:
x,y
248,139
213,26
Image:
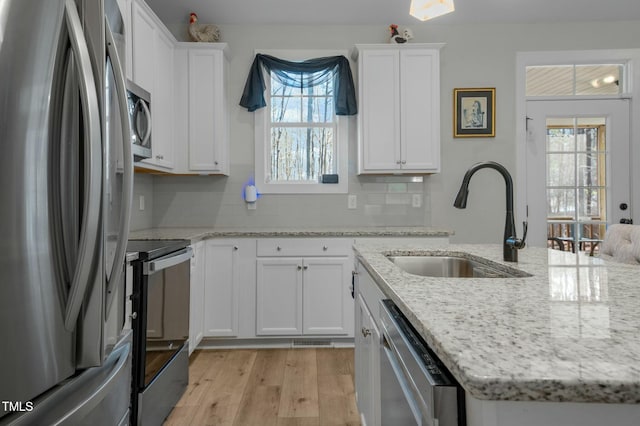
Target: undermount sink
x,y
452,267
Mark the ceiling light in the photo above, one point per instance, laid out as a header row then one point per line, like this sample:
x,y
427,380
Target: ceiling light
x,y
428,9
598,82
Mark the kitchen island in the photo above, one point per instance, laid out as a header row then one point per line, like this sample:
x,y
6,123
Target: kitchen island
x,y
540,346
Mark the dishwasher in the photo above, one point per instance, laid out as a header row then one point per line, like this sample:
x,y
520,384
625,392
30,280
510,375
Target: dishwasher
x,y
416,388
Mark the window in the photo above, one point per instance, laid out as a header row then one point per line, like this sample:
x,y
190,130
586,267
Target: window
x,y
299,137
570,80
302,133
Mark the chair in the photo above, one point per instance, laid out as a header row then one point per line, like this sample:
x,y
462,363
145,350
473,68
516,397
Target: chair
x,y
556,240
622,243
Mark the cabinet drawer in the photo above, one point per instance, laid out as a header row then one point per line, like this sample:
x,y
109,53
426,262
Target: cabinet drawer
x,y
304,247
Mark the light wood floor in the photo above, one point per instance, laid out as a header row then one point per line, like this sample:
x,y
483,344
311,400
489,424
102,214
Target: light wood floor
x,y
280,387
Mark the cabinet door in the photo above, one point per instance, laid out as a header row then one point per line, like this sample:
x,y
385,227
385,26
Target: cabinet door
x,y
326,296
379,124
162,102
207,106
361,353
279,296
419,107
367,364
221,289
125,9
144,38
196,305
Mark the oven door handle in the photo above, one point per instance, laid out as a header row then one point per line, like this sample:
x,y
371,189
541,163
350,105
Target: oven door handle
x,y
167,261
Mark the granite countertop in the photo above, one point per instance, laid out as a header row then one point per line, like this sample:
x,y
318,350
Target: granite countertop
x,y
197,234
569,332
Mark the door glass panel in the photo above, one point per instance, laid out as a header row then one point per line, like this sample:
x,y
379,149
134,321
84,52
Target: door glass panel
x,y
576,182
561,169
561,204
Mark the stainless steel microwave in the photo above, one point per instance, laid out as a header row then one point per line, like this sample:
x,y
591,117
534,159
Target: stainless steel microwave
x,y
139,107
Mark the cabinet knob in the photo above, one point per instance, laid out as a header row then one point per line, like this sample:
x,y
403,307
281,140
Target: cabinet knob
x,y
215,162
159,157
366,332
404,162
235,247
299,267
305,267
278,248
397,162
134,315
325,248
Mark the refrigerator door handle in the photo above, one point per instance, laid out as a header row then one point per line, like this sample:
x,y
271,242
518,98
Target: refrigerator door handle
x,y
92,169
127,187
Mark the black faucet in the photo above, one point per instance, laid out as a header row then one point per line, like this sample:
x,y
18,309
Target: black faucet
x,y
510,244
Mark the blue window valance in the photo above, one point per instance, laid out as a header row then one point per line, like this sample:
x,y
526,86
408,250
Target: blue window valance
x,y
309,73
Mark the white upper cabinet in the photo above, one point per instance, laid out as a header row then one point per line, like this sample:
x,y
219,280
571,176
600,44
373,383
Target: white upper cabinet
x,y
204,112
125,10
143,51
152,69
162,145
399,102
188,95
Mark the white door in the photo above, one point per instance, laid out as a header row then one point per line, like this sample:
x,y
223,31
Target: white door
x,y
279,296
577,171
325,296
196,295
221,289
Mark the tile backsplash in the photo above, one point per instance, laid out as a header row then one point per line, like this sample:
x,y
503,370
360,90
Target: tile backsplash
x,y
216,201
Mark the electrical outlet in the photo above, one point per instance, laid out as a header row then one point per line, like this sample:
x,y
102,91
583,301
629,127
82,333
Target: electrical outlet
x,y
141,202
352,201
416,200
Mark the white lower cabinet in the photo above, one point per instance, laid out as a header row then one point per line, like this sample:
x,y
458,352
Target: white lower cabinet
x,y
367,364
221,290
367,346
303,296
279,296
303,287
196,305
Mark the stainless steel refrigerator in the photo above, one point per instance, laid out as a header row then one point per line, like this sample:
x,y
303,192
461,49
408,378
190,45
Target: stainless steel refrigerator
x,y
66,173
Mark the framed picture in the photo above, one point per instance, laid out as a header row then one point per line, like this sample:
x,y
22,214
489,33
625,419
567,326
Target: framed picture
x,y
474,113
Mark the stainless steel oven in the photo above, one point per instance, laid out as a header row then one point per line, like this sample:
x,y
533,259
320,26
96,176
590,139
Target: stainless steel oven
x,y
160,322
139,108
416,388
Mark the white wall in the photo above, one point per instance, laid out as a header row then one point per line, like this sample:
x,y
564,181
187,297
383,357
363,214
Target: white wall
x,y
482,55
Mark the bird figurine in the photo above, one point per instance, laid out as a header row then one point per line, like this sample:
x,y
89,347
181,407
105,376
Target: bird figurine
x,y
202,32
395,35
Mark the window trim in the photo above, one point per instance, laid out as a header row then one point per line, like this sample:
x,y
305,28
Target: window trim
x,y
261,124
